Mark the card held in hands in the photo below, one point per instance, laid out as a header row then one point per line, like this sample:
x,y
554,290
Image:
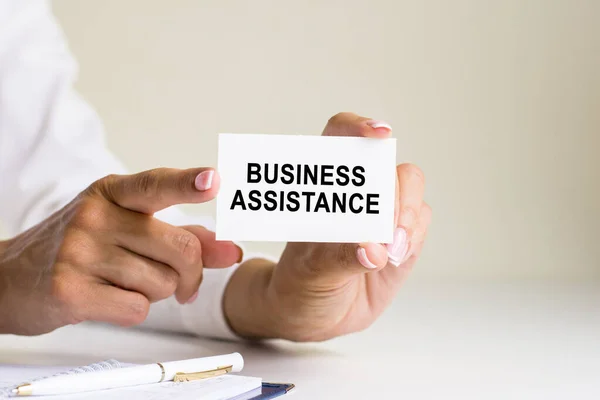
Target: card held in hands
x,y
288,188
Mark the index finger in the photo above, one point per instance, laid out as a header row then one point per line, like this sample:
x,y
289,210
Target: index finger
x,y
151,191
349,124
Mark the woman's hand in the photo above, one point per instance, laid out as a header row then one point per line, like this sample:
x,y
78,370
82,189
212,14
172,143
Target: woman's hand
x,y
104,257
321,290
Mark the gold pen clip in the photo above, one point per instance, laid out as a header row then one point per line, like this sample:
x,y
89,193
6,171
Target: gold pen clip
x,y
194,376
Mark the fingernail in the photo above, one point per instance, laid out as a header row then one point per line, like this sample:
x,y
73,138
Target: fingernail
x,y
396,262
361,254
397,250
204,180
193,298
378,124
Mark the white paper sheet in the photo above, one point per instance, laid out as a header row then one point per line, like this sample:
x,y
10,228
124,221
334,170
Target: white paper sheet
x,y
16,374
219,388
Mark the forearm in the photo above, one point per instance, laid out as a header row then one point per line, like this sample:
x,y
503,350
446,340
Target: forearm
x,y
247,302
3,319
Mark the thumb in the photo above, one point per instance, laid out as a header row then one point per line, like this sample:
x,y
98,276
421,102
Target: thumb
x,y
151,191
215,253
349,124
327,262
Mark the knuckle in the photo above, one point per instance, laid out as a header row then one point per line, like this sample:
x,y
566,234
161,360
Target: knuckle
x,y
412,171
328,258
314,259
107,181
64,289
338,119
189,247
102,185
148,184
110,179
409,217
346,256
168,284
128,276
183,183
137,311
89,215
74,250
315,269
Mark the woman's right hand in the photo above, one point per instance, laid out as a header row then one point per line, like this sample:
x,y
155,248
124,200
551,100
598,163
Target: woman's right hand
x,y
104,257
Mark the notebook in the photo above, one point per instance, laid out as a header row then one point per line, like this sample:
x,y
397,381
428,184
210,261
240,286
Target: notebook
x,y
225,387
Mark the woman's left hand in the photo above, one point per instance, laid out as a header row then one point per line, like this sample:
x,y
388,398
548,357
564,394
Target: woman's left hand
x,y
322,290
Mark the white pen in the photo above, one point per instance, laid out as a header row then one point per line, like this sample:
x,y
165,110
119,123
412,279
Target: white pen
x,y
178,371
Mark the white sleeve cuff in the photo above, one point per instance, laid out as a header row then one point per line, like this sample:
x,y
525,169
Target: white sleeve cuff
x,y
205,316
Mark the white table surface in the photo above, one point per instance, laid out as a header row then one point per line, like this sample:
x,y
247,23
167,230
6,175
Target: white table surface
x,y
467,341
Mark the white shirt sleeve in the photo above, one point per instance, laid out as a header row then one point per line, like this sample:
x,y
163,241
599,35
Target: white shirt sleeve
x,y
52,147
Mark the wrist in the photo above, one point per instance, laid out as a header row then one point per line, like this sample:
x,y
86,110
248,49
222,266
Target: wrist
x,y
3,249
247,305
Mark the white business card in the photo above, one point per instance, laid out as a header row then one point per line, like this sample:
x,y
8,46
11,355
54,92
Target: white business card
x,y
306,188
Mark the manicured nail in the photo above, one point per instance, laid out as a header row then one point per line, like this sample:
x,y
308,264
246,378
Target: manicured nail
x,y
396,262
378,124
204,180
397,250
361,254
193,298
